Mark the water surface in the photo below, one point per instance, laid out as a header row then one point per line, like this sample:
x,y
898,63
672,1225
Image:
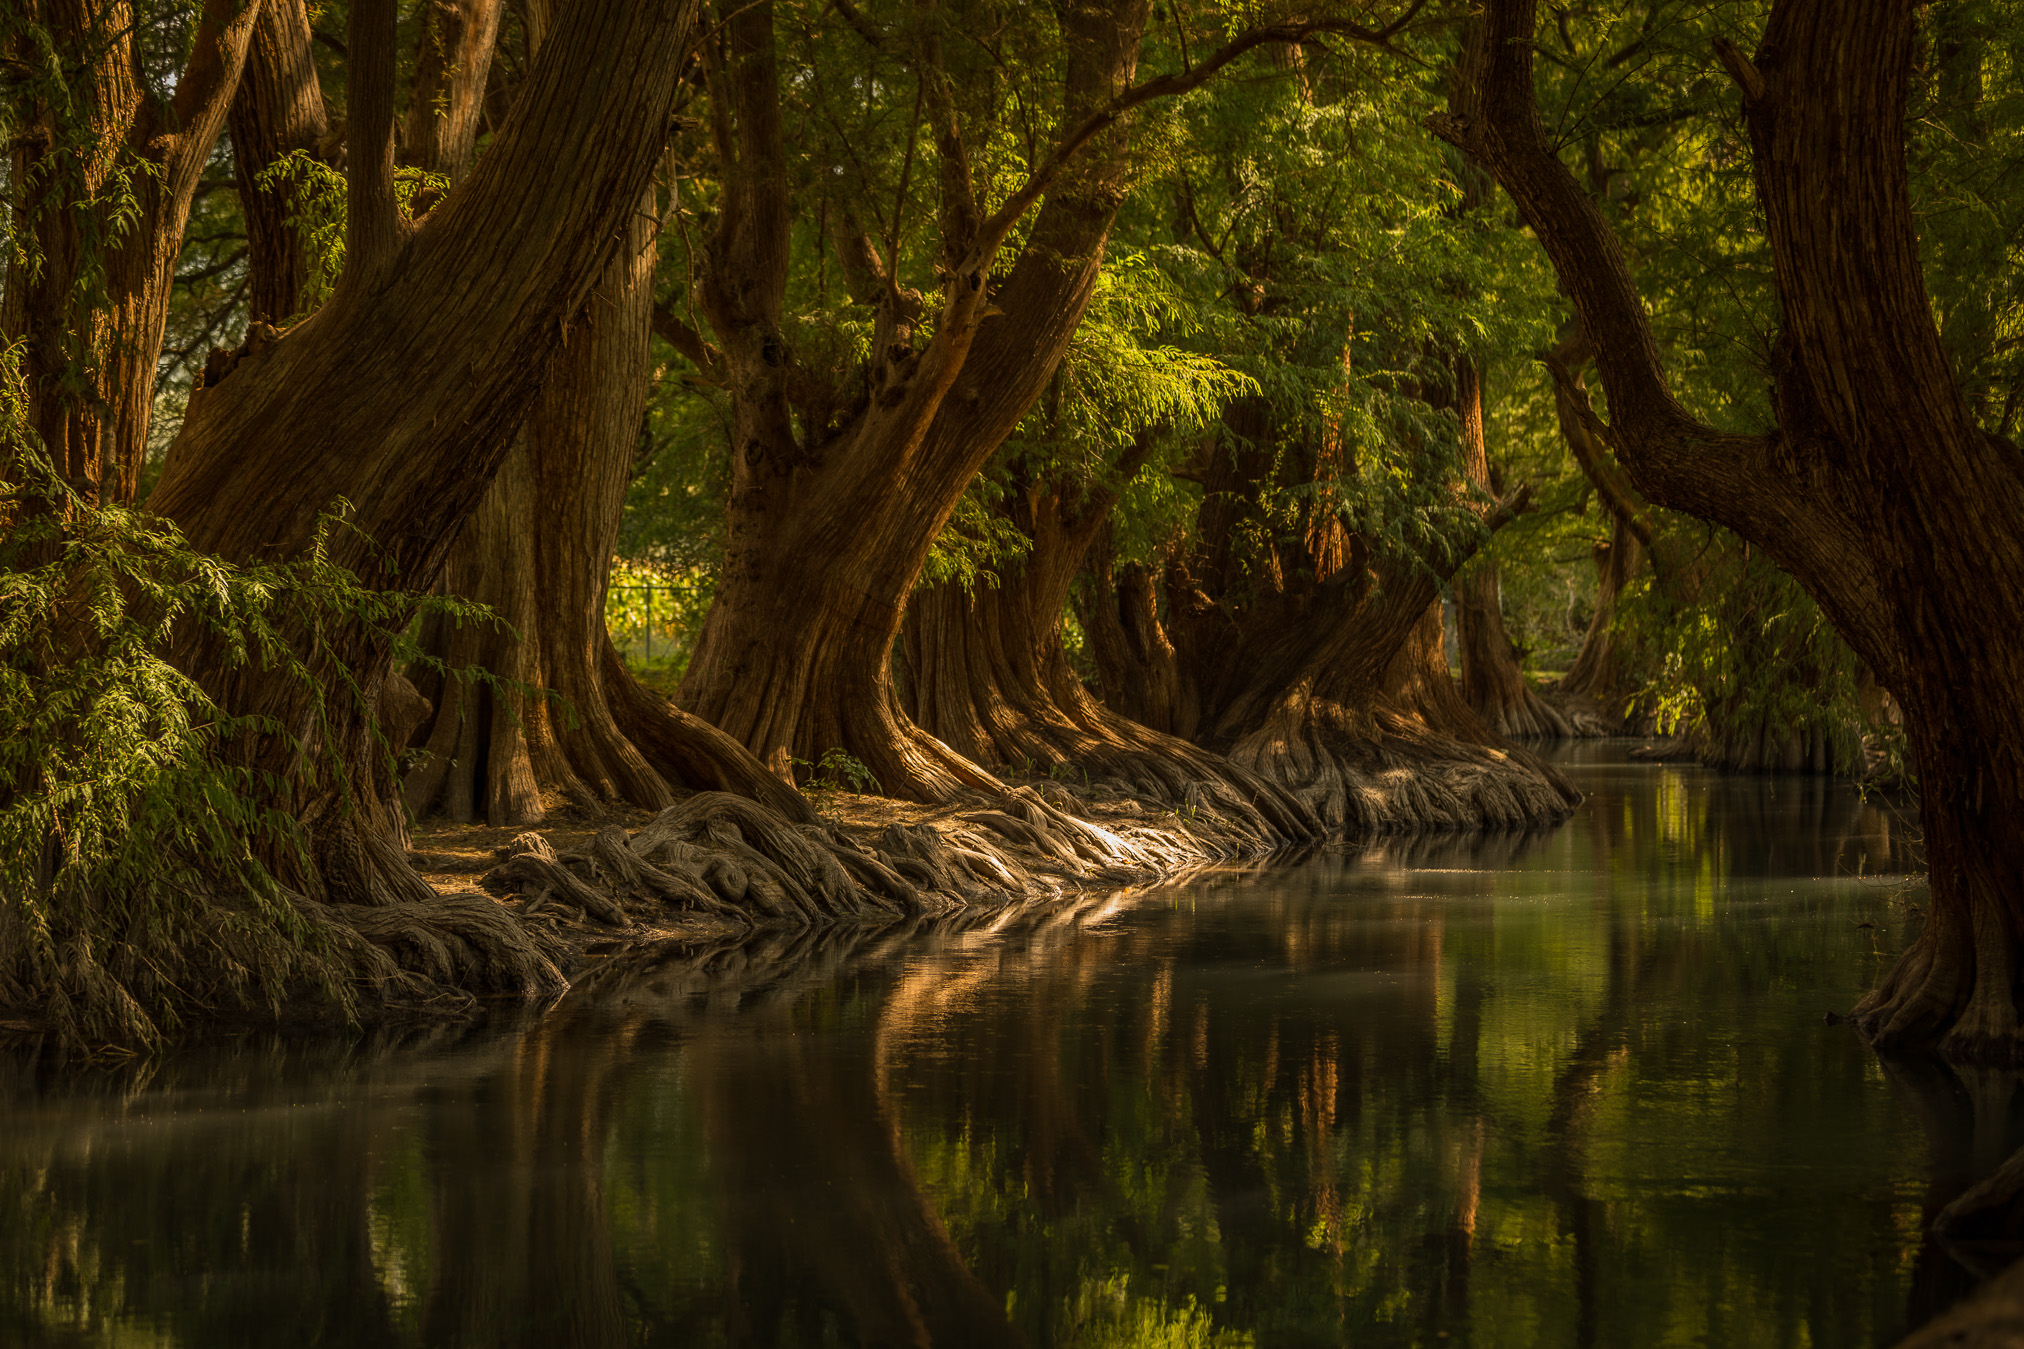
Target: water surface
x,y
1568,1089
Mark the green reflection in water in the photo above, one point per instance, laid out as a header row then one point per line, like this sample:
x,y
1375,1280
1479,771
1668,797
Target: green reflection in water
x,y
1566,1090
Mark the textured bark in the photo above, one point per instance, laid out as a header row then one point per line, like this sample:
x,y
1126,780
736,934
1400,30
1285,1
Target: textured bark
x,y
1374,736
538,552
403,392
278,110
1592,692
1316,669
89,311
1877,491
1138,674
988,677
447,98
825,539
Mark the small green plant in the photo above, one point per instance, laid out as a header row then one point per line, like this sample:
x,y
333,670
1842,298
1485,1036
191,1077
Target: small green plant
x,y
838,770
1061,770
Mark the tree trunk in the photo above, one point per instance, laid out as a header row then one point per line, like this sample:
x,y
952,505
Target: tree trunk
x,y
1374,736
102,176
988,677
1138,673
1322,671
402,393
825,539
278,110
1877,491
1492,684
1592,692
538,552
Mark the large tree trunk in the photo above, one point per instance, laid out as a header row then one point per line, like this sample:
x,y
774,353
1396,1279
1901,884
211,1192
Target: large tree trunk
x,y
1137,670
1592,694
1877,491
825,539
1373,734
102,176
538,552
988,677
1325,673
402,394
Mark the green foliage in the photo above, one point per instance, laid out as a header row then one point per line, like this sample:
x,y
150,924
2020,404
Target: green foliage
x,y
654,617
1104,1314
317,200
837,770
139,851
1738,652
977,541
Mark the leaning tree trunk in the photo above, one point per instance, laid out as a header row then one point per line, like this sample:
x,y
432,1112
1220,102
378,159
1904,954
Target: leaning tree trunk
x,y
824,543
1877,491
988,677
402,393
102,177
1492,683
1591,695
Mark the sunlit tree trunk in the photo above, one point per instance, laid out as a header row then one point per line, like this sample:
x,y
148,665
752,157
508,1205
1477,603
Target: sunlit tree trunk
x,y
1493,685
401,395
828,530
988,677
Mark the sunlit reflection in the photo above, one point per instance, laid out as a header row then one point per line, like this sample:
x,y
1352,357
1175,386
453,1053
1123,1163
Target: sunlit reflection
x,y
1564,1088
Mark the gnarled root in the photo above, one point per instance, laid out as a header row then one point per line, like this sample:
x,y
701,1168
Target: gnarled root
x,y
1528,716
1386,774
732,859
460,942
1952,992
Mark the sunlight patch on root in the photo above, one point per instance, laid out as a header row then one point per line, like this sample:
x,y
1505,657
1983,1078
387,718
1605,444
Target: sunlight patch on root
x,y
1398,778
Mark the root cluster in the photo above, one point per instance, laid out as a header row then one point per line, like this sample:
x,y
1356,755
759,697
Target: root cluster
x,y
716,864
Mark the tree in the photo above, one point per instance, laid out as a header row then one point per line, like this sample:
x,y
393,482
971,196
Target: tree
x,y
842,480
402,393
109,140
1876,488
985,669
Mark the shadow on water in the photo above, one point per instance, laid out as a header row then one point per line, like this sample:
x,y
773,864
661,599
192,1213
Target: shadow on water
x,y
1568,1088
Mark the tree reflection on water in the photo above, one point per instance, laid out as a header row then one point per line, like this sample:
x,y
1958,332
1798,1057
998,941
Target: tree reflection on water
x,y
1565,1089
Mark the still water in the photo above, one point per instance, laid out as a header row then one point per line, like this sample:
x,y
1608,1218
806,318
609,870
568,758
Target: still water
x,y
1567,1089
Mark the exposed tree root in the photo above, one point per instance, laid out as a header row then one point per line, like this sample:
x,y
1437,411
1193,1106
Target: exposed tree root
x,y
1383,773
1587,716
730,859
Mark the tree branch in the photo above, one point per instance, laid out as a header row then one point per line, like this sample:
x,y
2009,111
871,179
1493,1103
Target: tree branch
x,y
205,88
372,229
679,335
1585,434
993,231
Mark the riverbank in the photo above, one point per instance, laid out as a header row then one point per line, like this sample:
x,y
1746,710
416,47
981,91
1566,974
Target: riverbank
x,y
714,866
